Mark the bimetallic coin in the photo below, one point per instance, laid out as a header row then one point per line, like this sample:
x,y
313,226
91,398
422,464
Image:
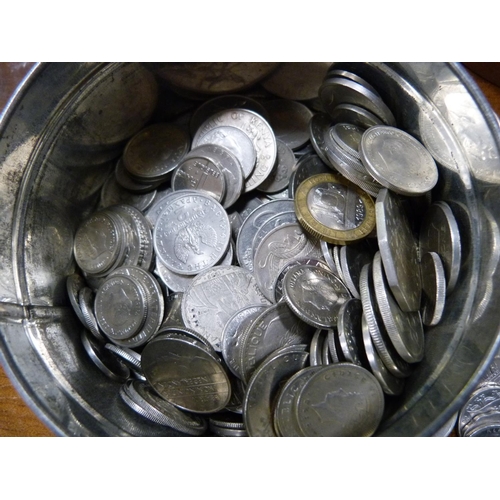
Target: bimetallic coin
x,y
439,233
279,178
334,210
315,295
340,400
259,131
433,288
264,386
405,329
192,234
182,371
399,251
398,161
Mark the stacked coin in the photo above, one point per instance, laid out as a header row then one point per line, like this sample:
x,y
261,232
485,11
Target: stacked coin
x,y
273,281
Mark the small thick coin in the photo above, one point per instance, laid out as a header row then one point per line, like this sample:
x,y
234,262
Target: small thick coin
x,y
315,295
398,161
350,113
185,373
433,288
340,400
334,210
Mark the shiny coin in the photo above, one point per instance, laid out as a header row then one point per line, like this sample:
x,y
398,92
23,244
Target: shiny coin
x,y
173,313
433,288
289,121
349,331
154,211
306,167
318,125
74,283
348,137
315,295
279,177
326,248
192,234
214,296
405,329
316,347
352,258
264,386
154,152
126,181
439,233
86,302
334,346
398,249
350,113
398,161
186,374
258,130
341,399
131,358
334,210
335,72
484,399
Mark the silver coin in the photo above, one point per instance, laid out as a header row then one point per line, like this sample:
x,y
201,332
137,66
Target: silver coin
x,y
184,372
482,400
350,113
279,178
399,251
447,427
126,181
86,302
264,386
259,131
192,234
335,91
173,313
229,165
390,357
318,125
484,426
333,73
433,288
201,174
340,400
315,295
316,347
131,358
282,245
251,225
334,346
439,233
74,283
391,385
405,329
154,211
336,260
236,141
398,161
154,152
214,296
349,331
274,328
352,259
348,137
306,167
289,121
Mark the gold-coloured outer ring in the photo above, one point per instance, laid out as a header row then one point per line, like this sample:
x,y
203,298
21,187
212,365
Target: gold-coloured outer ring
x,y
319,230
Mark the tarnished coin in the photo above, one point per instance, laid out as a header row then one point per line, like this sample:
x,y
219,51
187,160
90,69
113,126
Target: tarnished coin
x,y
201,174
86,301
128,356
289,121
279,178
274,328
186,374
126,181
399,251
214,296
349,331
154,152
391,385
405,329
282,245
340,400
74,283
259,131
398,161
334,210
192,234
234,140
350,113
433,288
264,386
306,167
439,233
315,295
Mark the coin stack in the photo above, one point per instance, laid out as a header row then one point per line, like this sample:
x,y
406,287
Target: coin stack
x,y
252,268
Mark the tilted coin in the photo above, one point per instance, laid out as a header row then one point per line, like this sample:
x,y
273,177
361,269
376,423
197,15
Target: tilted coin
x,y
341,399
192,234
399,251
335,72
282,245
352,259
334,210
186,374
74,283
214,296
154,152
349,331
318,125
326,248
433,288
484,399
348,137
484,426
126,181
338,90
306,167
350,113
279,177
405,329
289,121
439,233
131,358
236,141
264,385
173,313
86,301
316,347
272,329
315,295
398,161
259,131
334,346
447,427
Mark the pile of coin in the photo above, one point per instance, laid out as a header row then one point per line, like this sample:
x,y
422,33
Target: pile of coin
x,y
252,268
